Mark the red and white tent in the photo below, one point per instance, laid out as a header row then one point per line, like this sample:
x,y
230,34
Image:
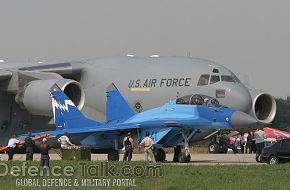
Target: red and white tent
x,y
275,133
269,133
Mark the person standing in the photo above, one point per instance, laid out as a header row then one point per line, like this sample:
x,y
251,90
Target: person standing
x,y
238,144
147,142
64,141
128,143
253,143
29,145
249,143
242,141
259,136
44,158
11,146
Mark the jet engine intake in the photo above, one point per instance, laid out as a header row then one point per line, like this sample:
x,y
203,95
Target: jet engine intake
x,y
35,95
264,107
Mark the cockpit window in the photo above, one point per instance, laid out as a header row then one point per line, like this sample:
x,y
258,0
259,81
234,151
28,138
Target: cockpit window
x,y
196,100
199,99
229,78
214,79
215,70
203,80
183,100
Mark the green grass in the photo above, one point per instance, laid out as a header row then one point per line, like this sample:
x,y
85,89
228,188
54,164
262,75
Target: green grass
x,y
174,176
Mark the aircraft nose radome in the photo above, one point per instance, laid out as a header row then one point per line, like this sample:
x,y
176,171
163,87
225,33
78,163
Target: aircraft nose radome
x,y
241,119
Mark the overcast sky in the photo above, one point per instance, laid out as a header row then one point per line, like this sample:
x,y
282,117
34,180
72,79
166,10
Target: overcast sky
x,y
252,38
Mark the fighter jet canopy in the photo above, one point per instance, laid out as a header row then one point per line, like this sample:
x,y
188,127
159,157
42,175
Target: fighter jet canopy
x,y
199,99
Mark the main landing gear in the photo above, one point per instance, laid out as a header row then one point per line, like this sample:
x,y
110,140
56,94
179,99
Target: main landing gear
x,y
220,145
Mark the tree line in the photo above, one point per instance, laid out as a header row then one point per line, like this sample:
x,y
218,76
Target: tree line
x,y
282,119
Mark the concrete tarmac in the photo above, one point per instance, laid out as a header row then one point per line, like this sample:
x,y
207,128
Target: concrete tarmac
x,y
196,159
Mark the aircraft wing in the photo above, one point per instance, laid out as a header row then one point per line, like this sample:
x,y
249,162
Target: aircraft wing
x,y
30,84
113,128
106,128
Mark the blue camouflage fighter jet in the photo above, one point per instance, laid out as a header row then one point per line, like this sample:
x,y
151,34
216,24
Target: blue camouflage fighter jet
x,y
181,121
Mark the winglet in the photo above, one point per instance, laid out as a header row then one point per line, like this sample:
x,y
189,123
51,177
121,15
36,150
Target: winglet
x,y
117,107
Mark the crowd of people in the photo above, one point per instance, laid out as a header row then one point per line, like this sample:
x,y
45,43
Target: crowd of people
x,y
253,142
30,146
65,142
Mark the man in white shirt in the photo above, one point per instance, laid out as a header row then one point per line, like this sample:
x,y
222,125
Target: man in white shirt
x,y
147,142
259,136
64,141
11,146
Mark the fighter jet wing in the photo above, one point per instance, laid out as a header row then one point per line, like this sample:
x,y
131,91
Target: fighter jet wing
x,y
80,130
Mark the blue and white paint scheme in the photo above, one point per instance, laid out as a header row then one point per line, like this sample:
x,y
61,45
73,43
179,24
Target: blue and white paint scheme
x,y
184,120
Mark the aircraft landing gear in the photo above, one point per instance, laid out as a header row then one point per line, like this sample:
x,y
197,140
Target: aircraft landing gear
x,y
219,145
159,154
213,147
184,157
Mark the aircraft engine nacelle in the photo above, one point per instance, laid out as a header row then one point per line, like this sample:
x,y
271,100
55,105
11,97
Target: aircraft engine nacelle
x,y
35,95
264,106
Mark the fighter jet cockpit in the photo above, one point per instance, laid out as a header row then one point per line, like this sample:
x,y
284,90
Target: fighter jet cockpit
x,y
199,99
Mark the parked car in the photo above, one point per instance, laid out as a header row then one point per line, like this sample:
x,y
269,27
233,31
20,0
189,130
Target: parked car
x,y
269,141
278,152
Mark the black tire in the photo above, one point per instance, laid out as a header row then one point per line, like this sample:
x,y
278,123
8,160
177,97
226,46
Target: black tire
x,y
113,155
213,148
182,158
273,160
159,155
258,159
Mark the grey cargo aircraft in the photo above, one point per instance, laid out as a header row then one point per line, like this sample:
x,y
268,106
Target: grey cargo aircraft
x,y
145,82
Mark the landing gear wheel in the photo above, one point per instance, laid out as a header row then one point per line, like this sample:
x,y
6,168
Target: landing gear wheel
x,y
273,160
258,158
213,148
183,158
113,155
159,155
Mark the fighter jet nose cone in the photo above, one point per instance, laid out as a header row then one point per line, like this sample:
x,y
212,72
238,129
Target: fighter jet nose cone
x,y
242,120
